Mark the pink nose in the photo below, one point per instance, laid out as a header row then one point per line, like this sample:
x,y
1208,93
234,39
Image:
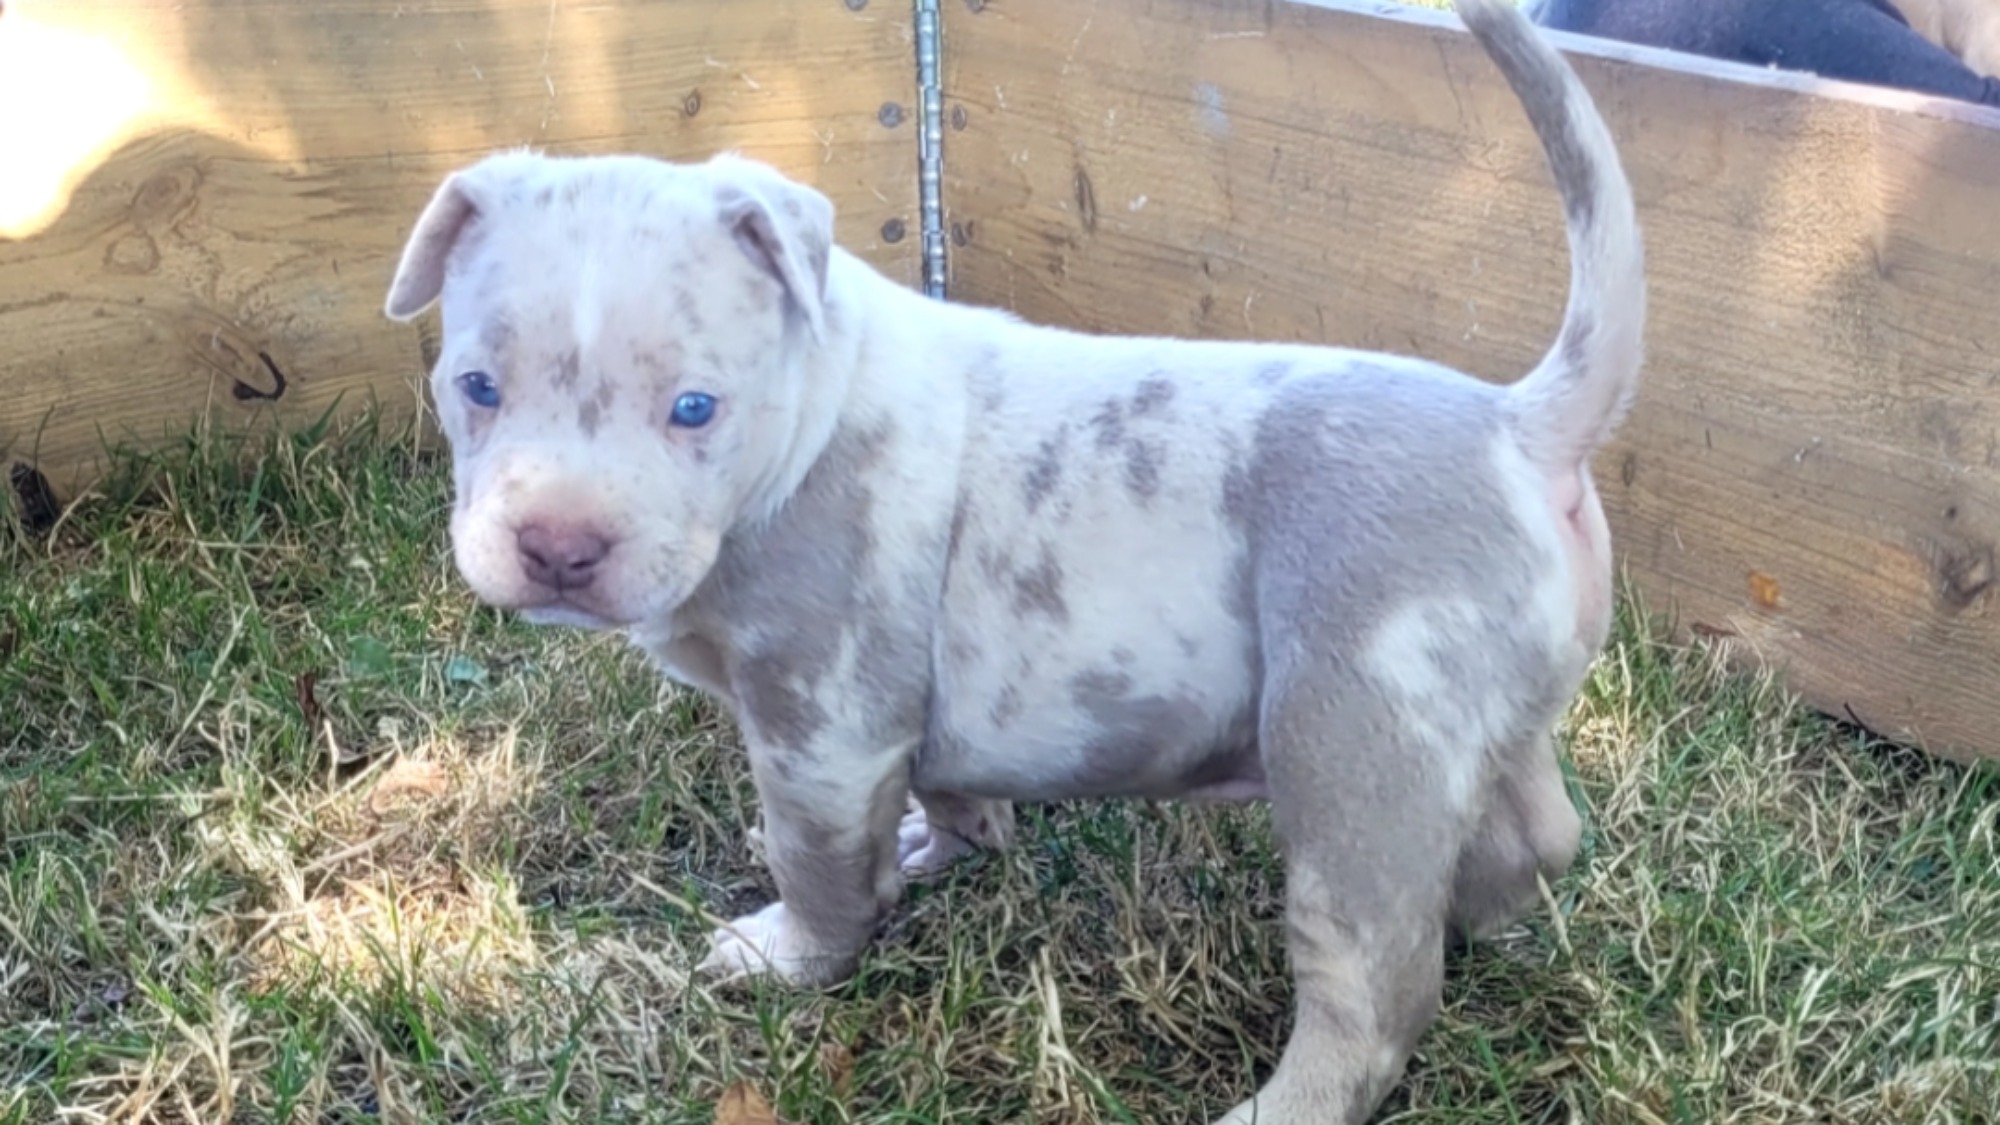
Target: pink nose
x,y
563,558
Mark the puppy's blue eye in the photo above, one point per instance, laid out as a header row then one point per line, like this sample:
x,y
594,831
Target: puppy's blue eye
x,y
479,389
693,410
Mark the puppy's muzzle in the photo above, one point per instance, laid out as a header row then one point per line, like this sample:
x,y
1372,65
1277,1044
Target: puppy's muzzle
x,y
561,558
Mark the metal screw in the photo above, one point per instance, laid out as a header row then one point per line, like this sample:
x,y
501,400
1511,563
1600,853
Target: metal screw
x,y
856,5
975,5
958,235
691,105
958,117
892,231
890,115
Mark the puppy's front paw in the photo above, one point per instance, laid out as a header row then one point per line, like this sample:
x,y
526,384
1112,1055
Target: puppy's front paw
x,y
770,944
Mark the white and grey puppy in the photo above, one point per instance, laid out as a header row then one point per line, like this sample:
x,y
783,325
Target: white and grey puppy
x,y
936,559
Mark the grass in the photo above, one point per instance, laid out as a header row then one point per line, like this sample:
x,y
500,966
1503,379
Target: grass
x,y
292,830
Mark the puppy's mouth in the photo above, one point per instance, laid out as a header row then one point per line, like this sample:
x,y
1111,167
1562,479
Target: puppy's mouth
x,y
569,579
579,607
560,611
584,608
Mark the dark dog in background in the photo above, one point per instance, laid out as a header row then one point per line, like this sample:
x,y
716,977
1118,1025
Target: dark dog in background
x,y
1969,29
1867,41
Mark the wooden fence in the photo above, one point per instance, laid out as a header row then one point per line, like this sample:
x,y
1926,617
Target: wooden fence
x,y
201,203
1813,472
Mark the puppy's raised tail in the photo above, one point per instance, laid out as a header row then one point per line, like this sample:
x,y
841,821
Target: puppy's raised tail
x,y
1572,402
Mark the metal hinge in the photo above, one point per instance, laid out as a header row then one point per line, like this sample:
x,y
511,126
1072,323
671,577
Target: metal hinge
x,y
930,146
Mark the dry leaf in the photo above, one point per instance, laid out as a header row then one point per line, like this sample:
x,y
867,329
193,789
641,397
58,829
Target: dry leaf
x,y
838,1062
1764,589
306,688
741,1104
409,776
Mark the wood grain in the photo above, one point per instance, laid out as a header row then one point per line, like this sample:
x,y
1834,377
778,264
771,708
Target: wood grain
x,y
1814,469
202,202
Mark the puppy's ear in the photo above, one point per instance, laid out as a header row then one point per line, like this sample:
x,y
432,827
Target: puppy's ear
x,y
785,227
420,275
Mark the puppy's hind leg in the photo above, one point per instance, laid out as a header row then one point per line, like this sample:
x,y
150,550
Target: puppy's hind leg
x,y
1528,827
940,828
1368,833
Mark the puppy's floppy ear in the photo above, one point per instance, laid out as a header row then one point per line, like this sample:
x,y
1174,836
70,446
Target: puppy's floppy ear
x,y
476,189
785,227
463,196
420,275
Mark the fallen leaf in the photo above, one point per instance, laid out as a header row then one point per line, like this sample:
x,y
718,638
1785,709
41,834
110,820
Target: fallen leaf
x,y
409,776
38,509
306,687
465,670
741,1104
367,657
1764,589
838,1062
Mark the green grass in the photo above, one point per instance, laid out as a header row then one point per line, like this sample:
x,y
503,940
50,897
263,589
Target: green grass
x,y
463,876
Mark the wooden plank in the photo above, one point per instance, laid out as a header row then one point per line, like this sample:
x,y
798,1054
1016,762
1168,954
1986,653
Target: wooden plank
x,y
191,188
1814,470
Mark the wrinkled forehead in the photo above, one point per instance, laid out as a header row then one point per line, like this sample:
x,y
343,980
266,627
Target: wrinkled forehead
x,y
581,237
612,269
